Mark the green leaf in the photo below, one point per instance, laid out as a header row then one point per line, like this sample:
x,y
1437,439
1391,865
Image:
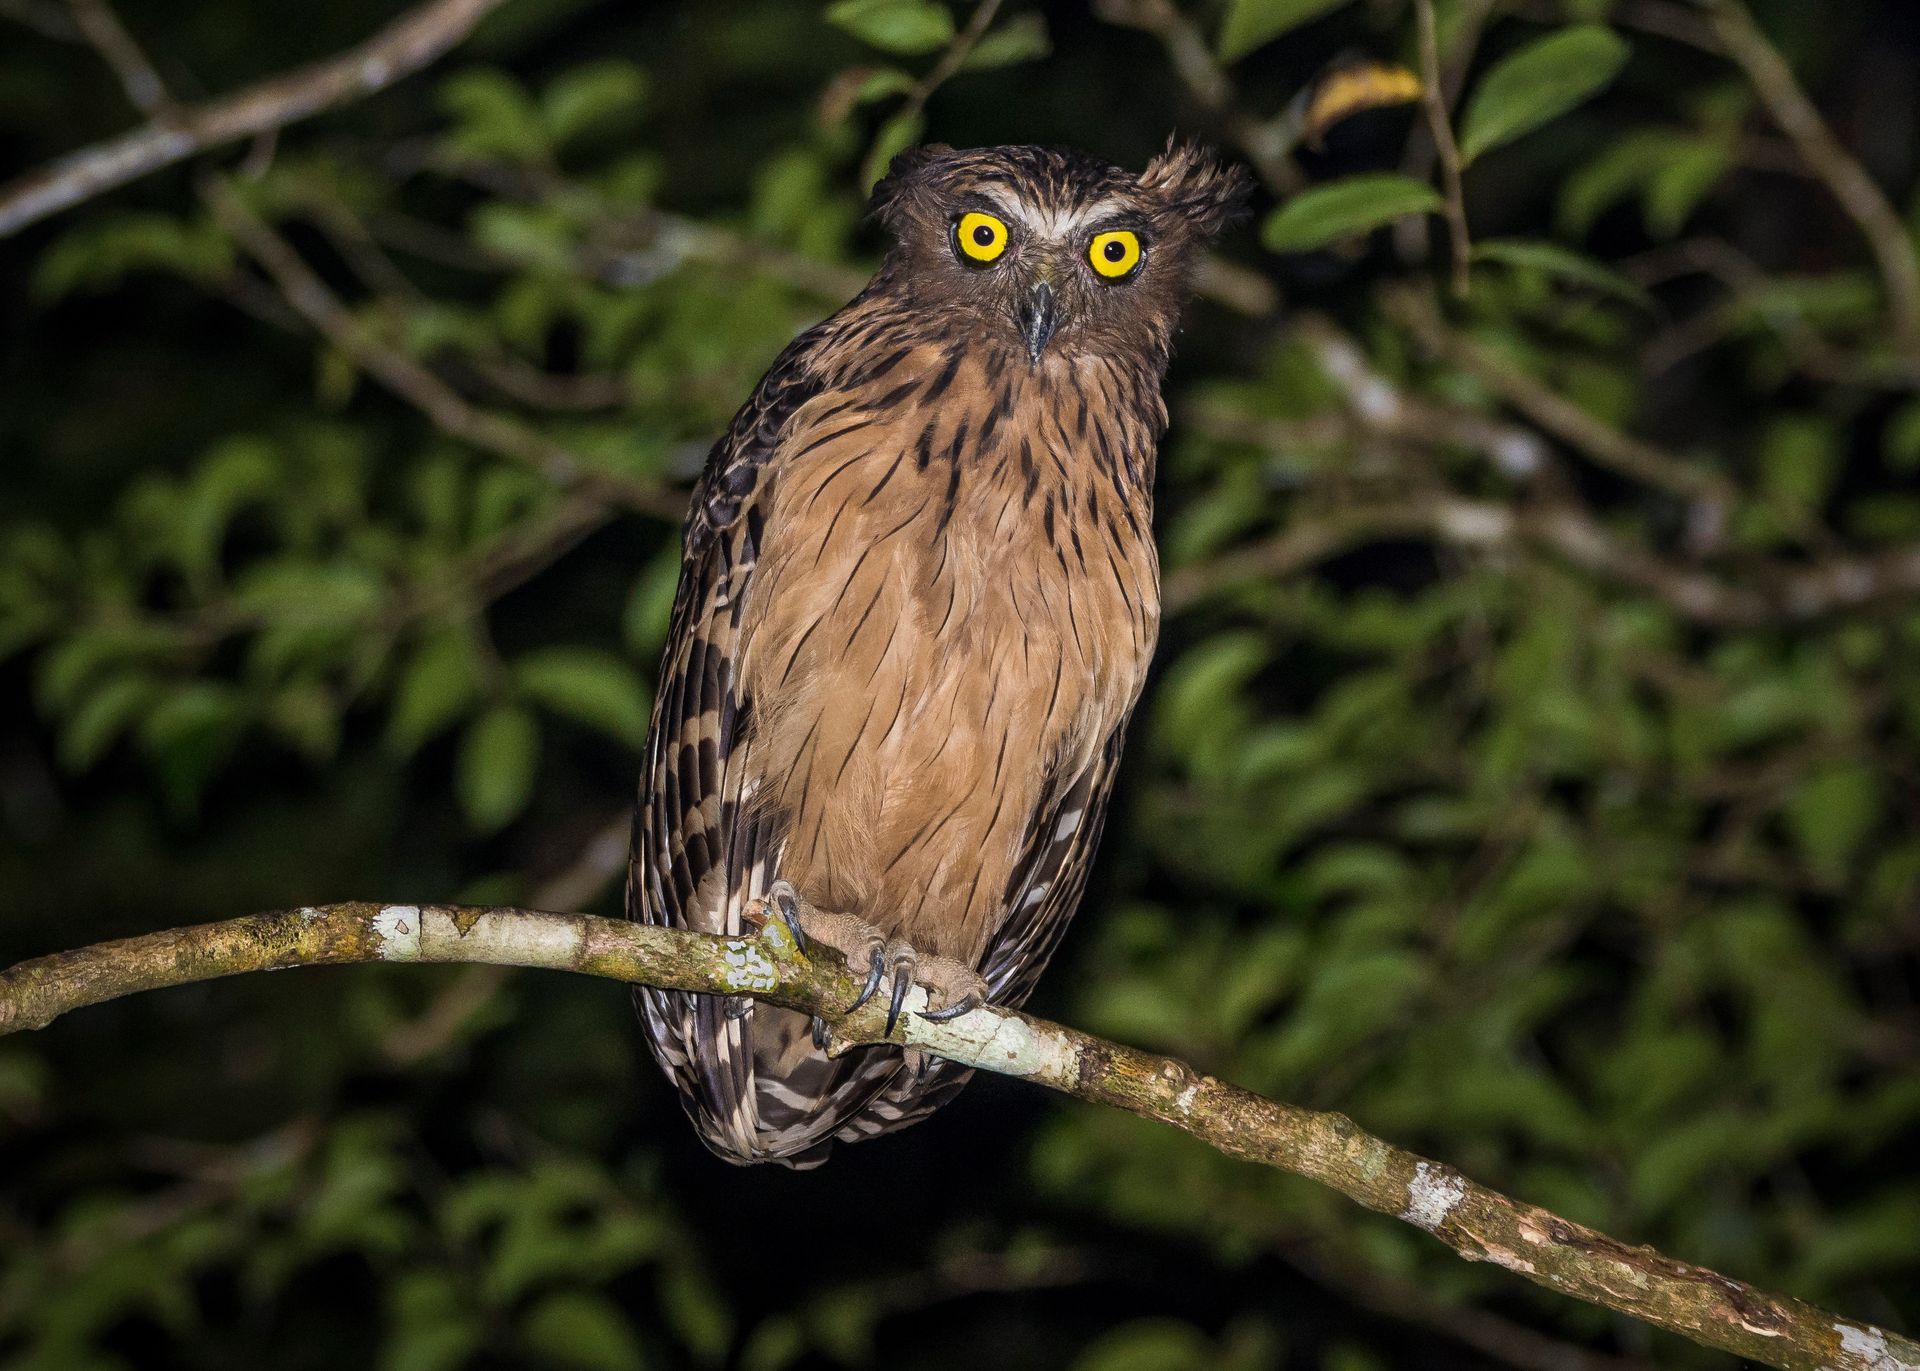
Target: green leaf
x,y
695,1310
1900,444
1800,459
1676,189
493,117
102,715
1252,23
1539,83
1358,204
305,715
339,593
439,682
600,93
1831,814
1022,38
898,134
493,775
592,687
1551,259
897,26
579,1328
1151,1344
98,256
188,734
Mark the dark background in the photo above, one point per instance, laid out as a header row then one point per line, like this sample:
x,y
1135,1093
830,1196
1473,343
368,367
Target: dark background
x,y
1523,856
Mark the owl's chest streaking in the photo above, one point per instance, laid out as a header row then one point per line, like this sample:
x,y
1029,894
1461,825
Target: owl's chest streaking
x,y
955,604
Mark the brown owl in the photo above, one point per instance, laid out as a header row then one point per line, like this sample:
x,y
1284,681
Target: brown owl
x,y
917,605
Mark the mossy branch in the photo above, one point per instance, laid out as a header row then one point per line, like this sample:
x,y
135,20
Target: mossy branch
x,y
1478,1223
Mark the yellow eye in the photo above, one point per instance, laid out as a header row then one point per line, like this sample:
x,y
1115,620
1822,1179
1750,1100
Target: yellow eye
x,y
981,238
1115,253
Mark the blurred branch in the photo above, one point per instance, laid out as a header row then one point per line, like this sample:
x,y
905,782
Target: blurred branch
x,y
1264,145
1763,594
952,59
1554,413
398,50
1864,202
44,17
102,28
1433,100
449,411
1478,1223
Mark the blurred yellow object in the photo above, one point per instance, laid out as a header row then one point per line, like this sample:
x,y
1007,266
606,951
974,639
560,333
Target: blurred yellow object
x,y
1349,90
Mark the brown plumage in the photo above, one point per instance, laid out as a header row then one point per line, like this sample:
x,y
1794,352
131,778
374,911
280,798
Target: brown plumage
x,y
918,602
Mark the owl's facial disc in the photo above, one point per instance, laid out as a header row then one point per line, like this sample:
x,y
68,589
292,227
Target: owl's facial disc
x,y
1037,315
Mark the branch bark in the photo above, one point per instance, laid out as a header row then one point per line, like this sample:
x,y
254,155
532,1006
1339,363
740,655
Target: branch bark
x,y
1478,1223
1863,200
403,47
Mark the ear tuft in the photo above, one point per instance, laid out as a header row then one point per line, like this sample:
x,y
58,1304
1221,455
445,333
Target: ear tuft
x,y
1198,186
903,174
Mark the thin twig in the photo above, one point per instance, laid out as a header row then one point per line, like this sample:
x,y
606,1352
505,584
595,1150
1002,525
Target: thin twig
x,y
1864,202
1193,61
145,89
1440,126
401,48
952,59
1478,1223
1554,413
1760,596
450,412
44,17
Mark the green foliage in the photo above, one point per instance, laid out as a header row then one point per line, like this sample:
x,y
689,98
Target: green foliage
x,y
1458,803
1250,24
1538,84
1326,214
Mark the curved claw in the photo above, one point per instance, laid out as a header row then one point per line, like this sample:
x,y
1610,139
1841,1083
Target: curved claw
x,y
789,907
738,1007
822,1035
901,980
875,971
966,1004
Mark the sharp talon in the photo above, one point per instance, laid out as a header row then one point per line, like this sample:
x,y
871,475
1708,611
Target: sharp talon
x,y
790,916
874,973
738,1008
900,983
966,1004
822,1035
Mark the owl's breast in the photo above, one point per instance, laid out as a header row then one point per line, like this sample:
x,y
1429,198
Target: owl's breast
x,y
951,608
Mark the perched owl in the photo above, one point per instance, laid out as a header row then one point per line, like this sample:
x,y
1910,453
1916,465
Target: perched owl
x,y
917,604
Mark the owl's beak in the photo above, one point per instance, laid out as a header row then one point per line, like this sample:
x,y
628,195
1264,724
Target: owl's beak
x,y
1037,318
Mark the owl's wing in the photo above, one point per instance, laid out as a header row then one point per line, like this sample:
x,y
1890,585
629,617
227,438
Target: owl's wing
x,y
1042,894
699,855
754,1086
1051,874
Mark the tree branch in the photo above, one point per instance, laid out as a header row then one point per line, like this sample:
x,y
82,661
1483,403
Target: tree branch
x,y
450,411
1192,59
1478,1223
1864,202
398,50
1440,127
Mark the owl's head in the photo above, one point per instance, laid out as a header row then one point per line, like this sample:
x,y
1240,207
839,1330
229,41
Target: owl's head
x,y
1049,250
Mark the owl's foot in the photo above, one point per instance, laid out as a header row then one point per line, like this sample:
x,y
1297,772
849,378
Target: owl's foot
x,y
952,986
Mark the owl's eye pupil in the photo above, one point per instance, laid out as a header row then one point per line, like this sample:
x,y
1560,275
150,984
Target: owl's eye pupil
x,y
983,235
1115,250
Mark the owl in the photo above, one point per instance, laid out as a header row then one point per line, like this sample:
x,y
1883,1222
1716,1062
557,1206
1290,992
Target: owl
x,y
918,599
